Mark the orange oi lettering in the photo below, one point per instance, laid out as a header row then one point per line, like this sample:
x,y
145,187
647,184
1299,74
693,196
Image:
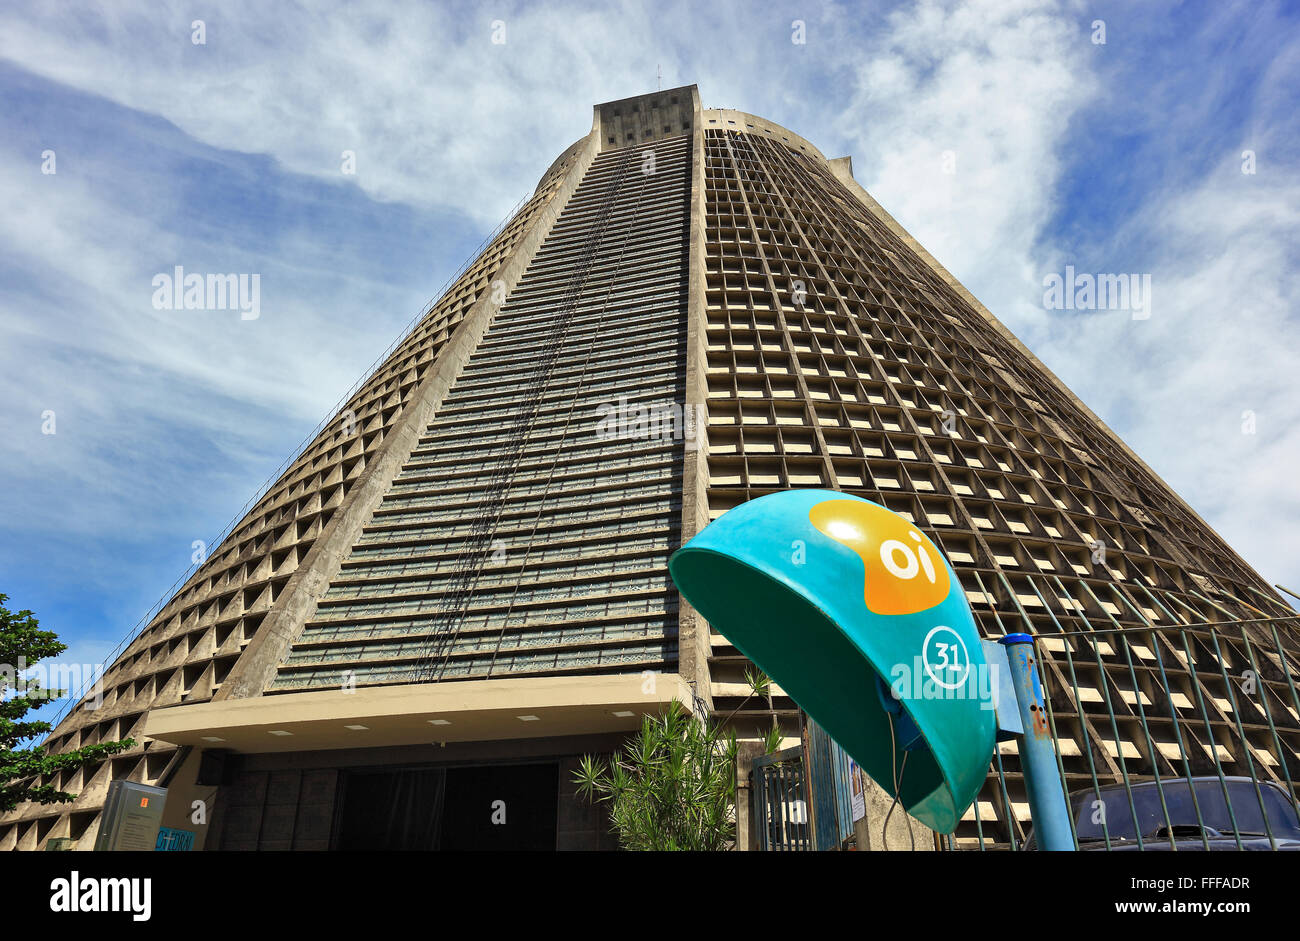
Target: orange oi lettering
x,y
903,571
144,802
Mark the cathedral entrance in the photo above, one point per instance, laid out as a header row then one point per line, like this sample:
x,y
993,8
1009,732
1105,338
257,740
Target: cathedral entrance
x,y
477,807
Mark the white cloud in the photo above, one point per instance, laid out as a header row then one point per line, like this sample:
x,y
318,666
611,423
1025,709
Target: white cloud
x,y
438,115
142,397
434,110
991,88
1220,342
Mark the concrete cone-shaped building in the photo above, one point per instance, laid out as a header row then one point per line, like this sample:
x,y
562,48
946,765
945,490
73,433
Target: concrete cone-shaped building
x,y
460,586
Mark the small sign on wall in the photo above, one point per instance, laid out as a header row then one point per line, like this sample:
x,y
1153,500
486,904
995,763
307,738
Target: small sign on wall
x,y
132,817
173,840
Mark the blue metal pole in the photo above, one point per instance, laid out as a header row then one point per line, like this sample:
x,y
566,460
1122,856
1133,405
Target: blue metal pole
x,y
1047,803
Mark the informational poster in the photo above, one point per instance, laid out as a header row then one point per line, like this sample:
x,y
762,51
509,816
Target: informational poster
x,y
132,816
859,791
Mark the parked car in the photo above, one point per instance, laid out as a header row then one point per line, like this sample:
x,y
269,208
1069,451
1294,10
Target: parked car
x,y
1181,830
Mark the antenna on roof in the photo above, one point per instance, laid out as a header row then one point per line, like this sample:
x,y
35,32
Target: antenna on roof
x,y
659,72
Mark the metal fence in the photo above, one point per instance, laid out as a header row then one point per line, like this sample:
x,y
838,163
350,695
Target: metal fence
x,y
1167,737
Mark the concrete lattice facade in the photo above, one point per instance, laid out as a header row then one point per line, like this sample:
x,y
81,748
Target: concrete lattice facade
x,y
473,522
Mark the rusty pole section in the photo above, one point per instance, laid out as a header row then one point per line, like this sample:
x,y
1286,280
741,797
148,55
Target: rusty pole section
x,y
1047,803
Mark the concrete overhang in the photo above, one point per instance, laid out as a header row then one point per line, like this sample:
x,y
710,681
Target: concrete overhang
x,y
421,713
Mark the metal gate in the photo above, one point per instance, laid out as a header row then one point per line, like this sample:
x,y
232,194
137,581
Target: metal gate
x,y
781,801
803,795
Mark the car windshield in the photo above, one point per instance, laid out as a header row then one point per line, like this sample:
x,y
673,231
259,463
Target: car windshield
x,y
1120,825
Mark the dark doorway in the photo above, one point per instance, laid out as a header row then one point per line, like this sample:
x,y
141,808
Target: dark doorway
x,y
485,807
501,807
392,810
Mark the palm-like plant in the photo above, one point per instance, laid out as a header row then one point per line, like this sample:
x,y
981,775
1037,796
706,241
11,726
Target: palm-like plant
x,y
674,786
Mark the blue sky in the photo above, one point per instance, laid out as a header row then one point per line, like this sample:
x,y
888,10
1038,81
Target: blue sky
x,y
226,157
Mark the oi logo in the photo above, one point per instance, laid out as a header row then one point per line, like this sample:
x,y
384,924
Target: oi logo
x,y
903,571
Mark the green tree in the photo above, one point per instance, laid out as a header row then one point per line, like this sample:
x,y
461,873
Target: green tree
x,y
674,786
23,643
